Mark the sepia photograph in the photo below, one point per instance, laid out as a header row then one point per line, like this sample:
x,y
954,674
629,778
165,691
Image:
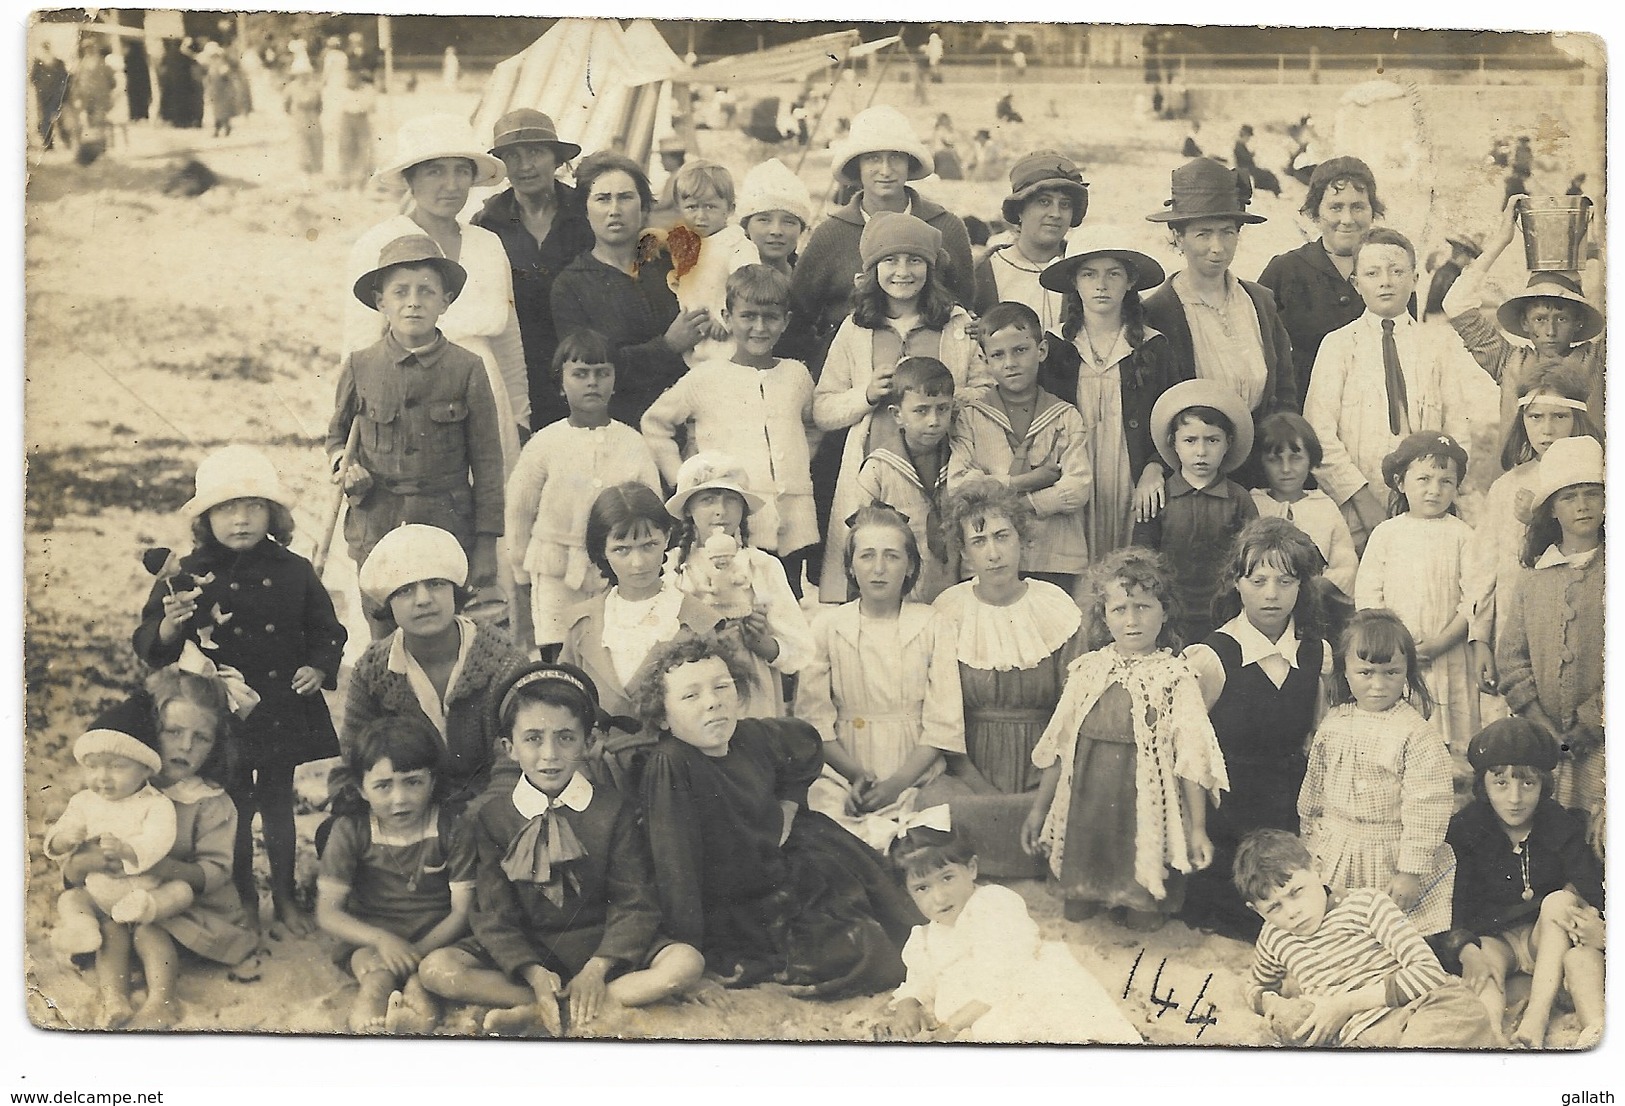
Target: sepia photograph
x,y
684,529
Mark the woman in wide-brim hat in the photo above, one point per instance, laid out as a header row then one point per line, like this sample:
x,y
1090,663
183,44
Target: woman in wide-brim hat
x,y
1048,199
436,163
1106,360
1224,328
1550,320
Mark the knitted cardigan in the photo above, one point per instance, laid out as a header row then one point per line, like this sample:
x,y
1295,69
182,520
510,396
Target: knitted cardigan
x,y
1550,648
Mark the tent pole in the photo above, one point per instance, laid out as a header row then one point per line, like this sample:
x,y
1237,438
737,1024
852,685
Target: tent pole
x,y
386,40
823,111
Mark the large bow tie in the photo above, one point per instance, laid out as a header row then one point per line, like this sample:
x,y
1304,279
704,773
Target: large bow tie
x,y
539,850
241,698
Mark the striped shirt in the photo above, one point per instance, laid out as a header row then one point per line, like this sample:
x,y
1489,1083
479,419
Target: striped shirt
x,y
1362,940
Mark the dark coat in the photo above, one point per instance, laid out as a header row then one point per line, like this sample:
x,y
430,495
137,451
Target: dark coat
x,y
1149,371
1165,312
535,266
281,619
633,313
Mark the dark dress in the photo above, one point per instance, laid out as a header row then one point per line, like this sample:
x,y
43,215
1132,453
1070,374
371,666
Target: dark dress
x,y
1263,731
1194,532
606,898
1149,371
1489,874
280,619
819,910
633,313
536,265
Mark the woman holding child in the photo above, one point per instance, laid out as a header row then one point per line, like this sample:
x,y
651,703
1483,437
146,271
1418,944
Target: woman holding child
x,y
436,163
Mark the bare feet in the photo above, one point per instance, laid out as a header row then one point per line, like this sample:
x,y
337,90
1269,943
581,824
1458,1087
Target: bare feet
x,y
1529,1036
155,1015
1590,1036
412,1011
294,921
534,1020
371,1009
113,1011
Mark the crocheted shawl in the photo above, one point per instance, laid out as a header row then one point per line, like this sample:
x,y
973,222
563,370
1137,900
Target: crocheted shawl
x,y
1173,740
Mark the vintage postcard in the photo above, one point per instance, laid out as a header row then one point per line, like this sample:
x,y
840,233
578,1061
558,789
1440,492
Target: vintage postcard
x,y
814,532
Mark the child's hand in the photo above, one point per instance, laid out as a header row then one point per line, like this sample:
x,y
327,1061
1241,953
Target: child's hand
x,y
1426,650
179,607
1506,226
1150,494
880,385
308,680
687,329
883,794
397,955
1324,1020
1523,506
857,794
1586,928
357,481
116,847
587,991
1484,664
758,638
908,1020
1200,847
716,330
1406,890
1597,831
973,329
1477,972
1031,830
1044,476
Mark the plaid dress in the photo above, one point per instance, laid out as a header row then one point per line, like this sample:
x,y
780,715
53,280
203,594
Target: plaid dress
x,y
1376,800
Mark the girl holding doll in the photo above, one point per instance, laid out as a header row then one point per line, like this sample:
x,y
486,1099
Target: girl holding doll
x,y
1415,565
978,969
1551,406
713,498
1376,795
567,922
901,308
259,608
1129,758
882,688
185,716
1259,674
1550,650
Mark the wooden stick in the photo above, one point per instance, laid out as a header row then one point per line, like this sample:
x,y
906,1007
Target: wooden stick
x,y
318,557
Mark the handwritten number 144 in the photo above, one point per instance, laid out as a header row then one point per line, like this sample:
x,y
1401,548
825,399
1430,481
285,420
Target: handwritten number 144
x,y
1164,1001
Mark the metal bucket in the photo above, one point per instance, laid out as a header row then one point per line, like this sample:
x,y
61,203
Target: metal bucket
x,y
1554,231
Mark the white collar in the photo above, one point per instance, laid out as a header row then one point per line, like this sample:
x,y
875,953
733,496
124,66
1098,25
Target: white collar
x,y
909,210
193,789
399,657
530,801
1256,647
1555,556
1402,321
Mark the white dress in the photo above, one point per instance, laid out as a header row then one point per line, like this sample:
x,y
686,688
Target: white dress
x,y
993,953
1417,568
1493,564
883,688
705,286
1316,515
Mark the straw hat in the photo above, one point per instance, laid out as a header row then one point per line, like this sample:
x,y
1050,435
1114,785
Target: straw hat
x,y
1568,461
876,130
1472,243
1550,286
1095,241
410,249
1203,393
434,136
771,186
408,554
527,125
705,471
235,472
1204,189
1045,171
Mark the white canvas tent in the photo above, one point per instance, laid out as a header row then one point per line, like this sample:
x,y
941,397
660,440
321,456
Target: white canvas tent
x,y
605,87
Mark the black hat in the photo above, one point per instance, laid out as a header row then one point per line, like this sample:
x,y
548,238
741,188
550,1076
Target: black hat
x,y
1512,741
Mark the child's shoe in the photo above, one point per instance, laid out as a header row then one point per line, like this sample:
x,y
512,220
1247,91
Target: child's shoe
x,y
76,935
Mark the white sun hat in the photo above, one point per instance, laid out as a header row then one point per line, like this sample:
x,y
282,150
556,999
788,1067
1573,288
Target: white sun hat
x,y
434,136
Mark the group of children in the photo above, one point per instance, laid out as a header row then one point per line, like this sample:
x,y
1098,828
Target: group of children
x,y
1188,768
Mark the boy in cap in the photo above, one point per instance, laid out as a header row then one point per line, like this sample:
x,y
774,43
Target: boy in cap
x,y
428,450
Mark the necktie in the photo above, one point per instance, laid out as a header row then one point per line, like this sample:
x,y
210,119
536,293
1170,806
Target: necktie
x,y
1397,418
1289,517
